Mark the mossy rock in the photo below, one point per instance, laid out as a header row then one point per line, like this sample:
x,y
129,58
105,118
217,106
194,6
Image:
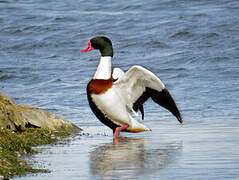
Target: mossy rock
x,y
15,117
9,116
21,128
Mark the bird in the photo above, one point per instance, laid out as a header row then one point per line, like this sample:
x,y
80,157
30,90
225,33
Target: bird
x,y
114,95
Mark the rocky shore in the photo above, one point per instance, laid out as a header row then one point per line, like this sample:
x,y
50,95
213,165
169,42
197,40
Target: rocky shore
x,y
23,127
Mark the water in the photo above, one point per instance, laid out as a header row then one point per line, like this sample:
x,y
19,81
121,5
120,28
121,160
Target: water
x,y
191,45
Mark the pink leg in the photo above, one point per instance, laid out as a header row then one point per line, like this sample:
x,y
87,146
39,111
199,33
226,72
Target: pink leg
x,y
118,129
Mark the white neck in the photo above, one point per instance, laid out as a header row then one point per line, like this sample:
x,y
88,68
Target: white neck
x,y
104,68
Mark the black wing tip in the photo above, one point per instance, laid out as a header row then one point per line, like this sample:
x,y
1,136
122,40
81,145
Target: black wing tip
x,y
164,99
172,106
177,114
180,119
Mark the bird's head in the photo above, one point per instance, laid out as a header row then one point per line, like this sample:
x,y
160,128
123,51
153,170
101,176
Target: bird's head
x,y
103,44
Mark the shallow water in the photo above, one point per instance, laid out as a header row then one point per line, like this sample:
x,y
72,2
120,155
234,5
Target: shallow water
x,y
191,45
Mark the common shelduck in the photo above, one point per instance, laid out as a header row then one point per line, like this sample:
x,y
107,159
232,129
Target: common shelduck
x,y
114,96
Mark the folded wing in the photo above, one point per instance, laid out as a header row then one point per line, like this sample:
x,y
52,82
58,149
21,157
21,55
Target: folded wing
x,y
138,84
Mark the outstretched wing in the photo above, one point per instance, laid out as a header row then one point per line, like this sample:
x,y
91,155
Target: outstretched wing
x,y
138,84
117,74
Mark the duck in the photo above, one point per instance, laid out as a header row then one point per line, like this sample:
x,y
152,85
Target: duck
x,y
115,96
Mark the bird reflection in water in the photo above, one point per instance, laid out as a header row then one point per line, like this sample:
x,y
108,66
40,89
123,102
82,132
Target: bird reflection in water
x,y
131,158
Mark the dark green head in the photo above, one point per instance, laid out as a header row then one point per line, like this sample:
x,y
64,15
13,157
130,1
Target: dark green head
x,y
103,44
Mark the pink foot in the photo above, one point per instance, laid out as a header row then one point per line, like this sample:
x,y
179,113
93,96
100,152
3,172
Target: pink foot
x,y
117,131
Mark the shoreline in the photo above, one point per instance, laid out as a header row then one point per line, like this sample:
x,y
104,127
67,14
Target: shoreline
x,y
21,129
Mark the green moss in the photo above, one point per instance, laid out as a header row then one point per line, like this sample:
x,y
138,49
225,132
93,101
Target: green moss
x,y
17,137
13,144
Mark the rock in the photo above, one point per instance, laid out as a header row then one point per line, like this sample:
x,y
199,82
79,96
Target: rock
x,y
15,117
40,118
